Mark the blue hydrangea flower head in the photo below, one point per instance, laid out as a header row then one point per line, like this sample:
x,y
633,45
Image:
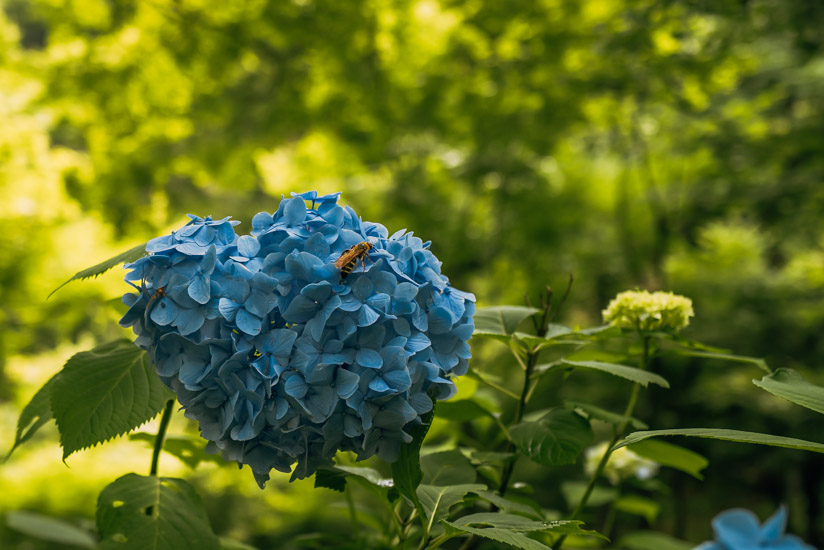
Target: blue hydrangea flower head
x,y
284,359
739,529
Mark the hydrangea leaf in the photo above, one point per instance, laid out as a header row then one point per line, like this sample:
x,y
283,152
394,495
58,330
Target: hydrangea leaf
x,y
758,362
638,506
558,438
461,410
652,540
330,478
531,510
103,393
35,415
510,529
153,513
437,501
593,411
406,471
630,373
447,468
790,385
726,435
125,257
49,529
501,320
667,454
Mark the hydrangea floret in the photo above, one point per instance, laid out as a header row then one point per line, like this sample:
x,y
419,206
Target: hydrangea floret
x,y
739,529
649,311
622,464
280,357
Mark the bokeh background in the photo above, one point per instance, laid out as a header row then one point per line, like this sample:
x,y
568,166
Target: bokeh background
x,y
674,145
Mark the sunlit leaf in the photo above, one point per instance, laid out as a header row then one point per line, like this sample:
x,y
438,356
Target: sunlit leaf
x,y
760,363
447,468
50,529
35,415
667,454
153,513
129,256
437,501
510,529
103,393
790,385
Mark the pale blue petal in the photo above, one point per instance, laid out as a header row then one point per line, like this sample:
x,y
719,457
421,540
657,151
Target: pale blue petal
x,y
294,213
248,323
368,358
248,246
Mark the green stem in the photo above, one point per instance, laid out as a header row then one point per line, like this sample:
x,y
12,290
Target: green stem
x,y
506,475
619,432
161,435
350,503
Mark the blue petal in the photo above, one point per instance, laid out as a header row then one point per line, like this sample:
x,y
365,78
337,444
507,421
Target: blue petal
x,y
406,292
302,265
228,308
440,320
294,212
371,337
189,320
318,292
296,386
300,310
393,358
317,245
774,527
398,379
261,221
417,342
736,528
346,383
164,312
199,289
401,326
248,246
379,385
368,358
367,316
363,288
247,322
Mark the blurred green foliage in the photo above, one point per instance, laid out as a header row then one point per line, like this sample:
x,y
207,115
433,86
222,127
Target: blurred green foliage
x,y
671,145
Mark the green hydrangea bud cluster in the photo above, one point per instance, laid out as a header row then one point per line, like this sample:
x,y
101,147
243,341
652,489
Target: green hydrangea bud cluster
x,y
643,310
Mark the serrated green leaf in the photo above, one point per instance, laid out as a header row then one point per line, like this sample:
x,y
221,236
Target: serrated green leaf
x,y
437,501
513,535
632,374
651,540
124,257
758,362
639,506
667,454
50,529
103,393
406,471
726,435
790,385
447,468
34,416
189,450
500,320
511,507
558,438
153,513
369,474
604,415
330,478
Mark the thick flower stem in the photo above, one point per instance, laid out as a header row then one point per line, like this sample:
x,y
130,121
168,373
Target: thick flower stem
x,y
161,435
619,432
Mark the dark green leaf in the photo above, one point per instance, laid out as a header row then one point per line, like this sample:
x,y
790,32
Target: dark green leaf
x,y
447,468
558,438
604,415
511,507
103,393
329,478
461,410
189,450
501,320
633,374
50,529
726,435
35,415
437,501
790,385
639,506
491,456
406,471
667,454
129,256
651,540
151,513
509,529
